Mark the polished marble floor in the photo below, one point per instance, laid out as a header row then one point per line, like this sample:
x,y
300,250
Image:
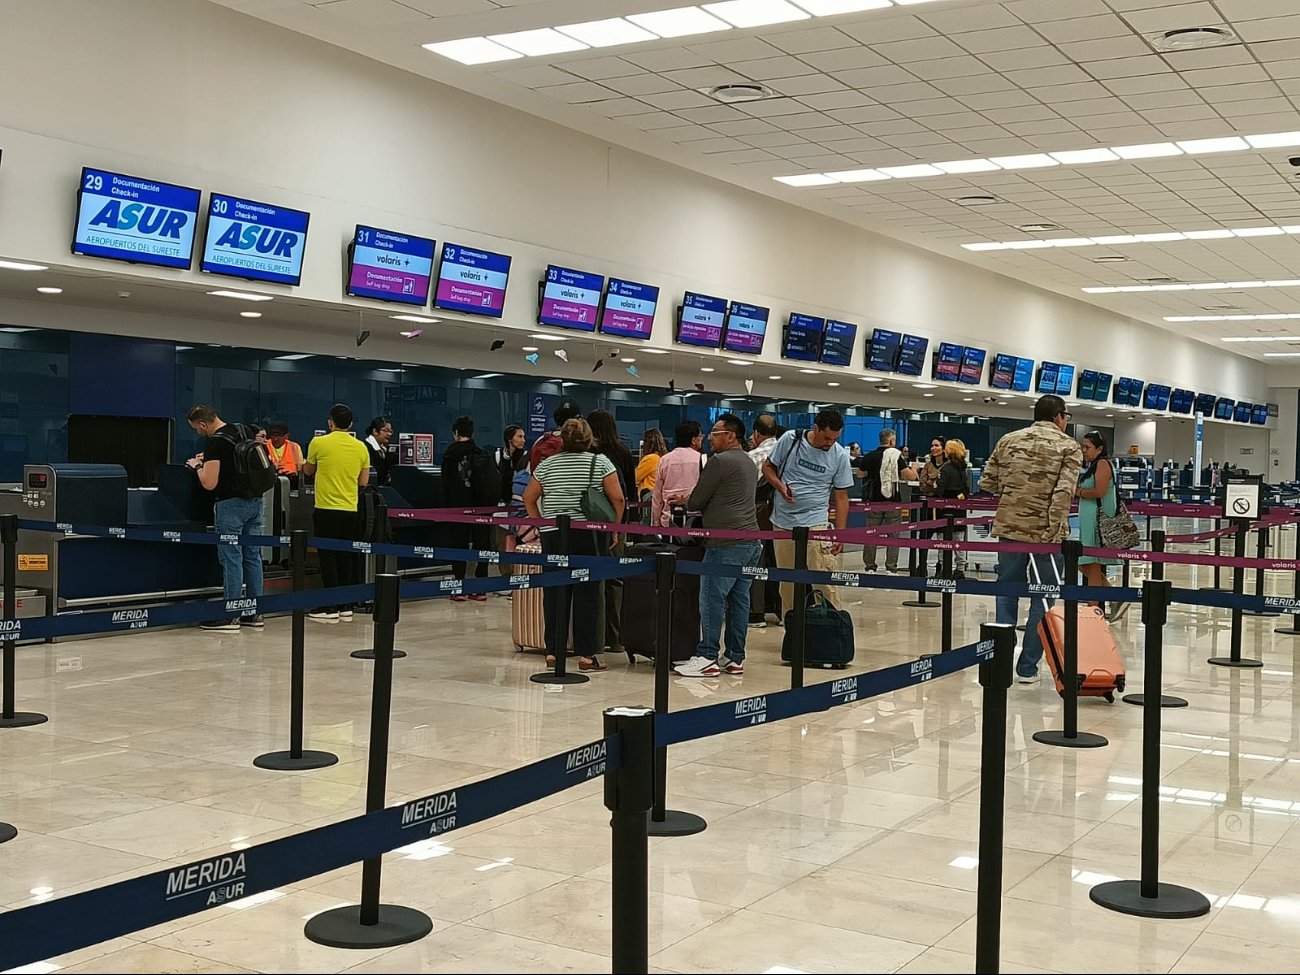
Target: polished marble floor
x,y
843,842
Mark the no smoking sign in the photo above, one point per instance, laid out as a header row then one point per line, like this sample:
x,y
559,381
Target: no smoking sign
x,y
1241,500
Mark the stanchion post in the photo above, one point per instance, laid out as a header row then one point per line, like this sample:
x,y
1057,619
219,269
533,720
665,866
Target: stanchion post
x,y
295,759
628,797
945,598
1158,574
371,924
1294,628
665,821
1071,736
385,563
920,602
1218,553
9,718
1261,551
1148,897
799,643
995,678
1235,659
563,617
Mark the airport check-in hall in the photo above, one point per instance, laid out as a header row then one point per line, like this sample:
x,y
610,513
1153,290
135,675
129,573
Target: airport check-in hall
x,y
751,486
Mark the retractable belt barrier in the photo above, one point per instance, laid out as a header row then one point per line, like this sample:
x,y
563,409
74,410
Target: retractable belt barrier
x,y
30,934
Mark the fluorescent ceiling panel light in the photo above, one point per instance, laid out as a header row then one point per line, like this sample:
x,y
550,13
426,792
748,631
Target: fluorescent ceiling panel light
x,y
49,291
420,319
607,33
706,369
22,266
1078,157
1149,150
1100,291
806,179
857,175
1027,245
1281,355
1274,140
810,372
830,8
1115,239
679,22
534,43
250,314
924,386
832,384
642,351
295,357
1258,232
544,337
740,362
472,50
1209,234
985,246
241,295
1033,160
1194,147
911,172
1073,242
774,378
968,166
756,13
1158,238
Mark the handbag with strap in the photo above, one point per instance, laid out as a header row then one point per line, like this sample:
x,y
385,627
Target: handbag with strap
x,y
1117,530
594,502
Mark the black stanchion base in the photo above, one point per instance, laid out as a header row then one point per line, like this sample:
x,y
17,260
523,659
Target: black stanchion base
x,y
24,719
369,654
1125,896
1083,739
917,604
1287,630
342,927
551,677
7,832
677,823
285,762
1229,662
1166,700
1260,612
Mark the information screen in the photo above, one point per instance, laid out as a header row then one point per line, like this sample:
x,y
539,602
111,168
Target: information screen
x,y
1064,379
1205,404
1087,384
472,281
1259,414
1180,401
126,218
882,351
390,266
1157,397
1003,372
1023,376
629,309
911,355
746,327
1103,387
1047,377
701,320
837,342
1243,412
1128,392
972,365
252,240
570,299
947,362
1223,408
803,337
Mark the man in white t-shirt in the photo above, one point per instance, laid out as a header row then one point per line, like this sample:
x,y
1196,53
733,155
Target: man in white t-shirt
x,y
885,473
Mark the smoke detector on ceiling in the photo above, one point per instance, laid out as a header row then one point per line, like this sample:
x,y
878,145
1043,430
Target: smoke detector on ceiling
x,y
1193,38
740,92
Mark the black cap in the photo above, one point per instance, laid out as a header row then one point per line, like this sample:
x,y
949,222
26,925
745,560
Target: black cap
x,y
566,409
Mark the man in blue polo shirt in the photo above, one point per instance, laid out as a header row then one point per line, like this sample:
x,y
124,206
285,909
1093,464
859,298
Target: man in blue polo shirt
x,y
804,468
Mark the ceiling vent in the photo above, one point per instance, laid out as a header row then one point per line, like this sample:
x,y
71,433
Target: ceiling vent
x,y
1110,259
1158,279
977,200
1038,228
1192,39
740,92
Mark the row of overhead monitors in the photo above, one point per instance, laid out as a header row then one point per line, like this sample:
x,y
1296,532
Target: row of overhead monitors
x,y
144,221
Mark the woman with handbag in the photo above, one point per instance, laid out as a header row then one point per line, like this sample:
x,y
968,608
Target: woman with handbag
x,y
582,485
1097,500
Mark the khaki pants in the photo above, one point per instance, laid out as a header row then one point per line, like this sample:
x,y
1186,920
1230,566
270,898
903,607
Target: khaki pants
x,y
819,560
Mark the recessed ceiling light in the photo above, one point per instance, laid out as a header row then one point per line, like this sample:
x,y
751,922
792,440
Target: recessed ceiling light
x,y
737,93
607,33
914,171
832,384
810,372
924,386
1149,150
1032,160
1192,38
829,8
756,13
418,319
968,399
472,50
774,377
857,175
250,314
1081,157
627,358
806,179
706,369
927,394
22,266
1200,286
544,337
959,166
740,362
1258,232
240,295
651,351
1220,234
679,22
1281,355
529,348
1195,147
534,43
50,291
295,357
1274,140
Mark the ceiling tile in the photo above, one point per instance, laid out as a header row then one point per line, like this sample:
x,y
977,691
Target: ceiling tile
x,y
952,20
1039,77
535,76
672,101
948,68
1106,49
809,84
766,69
642,84
1211,57
1042,11
597,69
895,94
811,39
919,49
848,98
866,113
1000,39
879,30
974,85
576,92
1173,15
739,49
1144,83
711,115
1037,57
997,99
1240,10
1239,93
615,107
1164,99
1272,29
1229,75
1128,67
844,58
1083,28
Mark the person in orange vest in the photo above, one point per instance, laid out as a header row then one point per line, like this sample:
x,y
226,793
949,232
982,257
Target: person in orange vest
x,y
285,454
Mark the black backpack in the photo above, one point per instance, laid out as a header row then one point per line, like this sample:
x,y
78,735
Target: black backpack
x,y
254,470
480,478
372,516
765,494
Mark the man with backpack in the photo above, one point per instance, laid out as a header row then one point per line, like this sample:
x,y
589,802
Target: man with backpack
x,y
341,465
471,479
235,467
885,473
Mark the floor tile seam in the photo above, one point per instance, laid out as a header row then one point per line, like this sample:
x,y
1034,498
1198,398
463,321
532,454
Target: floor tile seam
x,y
840,927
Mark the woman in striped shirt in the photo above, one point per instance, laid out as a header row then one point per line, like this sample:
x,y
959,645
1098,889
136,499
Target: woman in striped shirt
x,y
557,487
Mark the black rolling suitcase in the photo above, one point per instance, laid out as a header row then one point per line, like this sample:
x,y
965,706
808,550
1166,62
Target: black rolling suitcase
x,y
641,607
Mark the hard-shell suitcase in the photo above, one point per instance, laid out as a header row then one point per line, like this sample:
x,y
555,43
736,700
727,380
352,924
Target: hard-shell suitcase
x,y
1100,668
527,626
641,605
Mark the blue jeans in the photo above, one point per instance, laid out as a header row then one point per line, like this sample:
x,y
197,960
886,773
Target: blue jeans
x,y
241,565
721,596
1014,567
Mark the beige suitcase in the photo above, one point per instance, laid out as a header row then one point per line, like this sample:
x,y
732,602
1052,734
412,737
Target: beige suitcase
x,y
527,627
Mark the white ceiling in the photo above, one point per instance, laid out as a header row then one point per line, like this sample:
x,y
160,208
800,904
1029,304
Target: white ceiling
x,y
950,79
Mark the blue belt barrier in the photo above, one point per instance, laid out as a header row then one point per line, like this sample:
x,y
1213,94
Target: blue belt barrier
x,y
624,568
31,934
716,719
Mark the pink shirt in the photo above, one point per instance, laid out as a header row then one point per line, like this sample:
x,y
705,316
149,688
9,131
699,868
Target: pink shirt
x,y
679,471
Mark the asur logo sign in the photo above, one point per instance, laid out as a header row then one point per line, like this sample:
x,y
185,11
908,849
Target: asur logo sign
x,y
153,221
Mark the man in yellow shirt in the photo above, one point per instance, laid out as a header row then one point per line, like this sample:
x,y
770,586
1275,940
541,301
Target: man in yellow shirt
x,y
341,465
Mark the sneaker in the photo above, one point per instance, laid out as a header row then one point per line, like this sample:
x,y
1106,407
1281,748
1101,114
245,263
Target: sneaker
x,y
254,621
345,616
458,598
323,617
698,667
220,626
871,568
479,597
733,668
758,624
1033,678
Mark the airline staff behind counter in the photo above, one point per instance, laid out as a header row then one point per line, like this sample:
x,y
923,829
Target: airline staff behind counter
x,y
285,454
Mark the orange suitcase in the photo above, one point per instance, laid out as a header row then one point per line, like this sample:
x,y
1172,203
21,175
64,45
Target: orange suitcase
x,y
1101,671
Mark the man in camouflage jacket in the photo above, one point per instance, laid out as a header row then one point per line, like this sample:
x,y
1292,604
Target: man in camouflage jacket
x,y
1035,470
